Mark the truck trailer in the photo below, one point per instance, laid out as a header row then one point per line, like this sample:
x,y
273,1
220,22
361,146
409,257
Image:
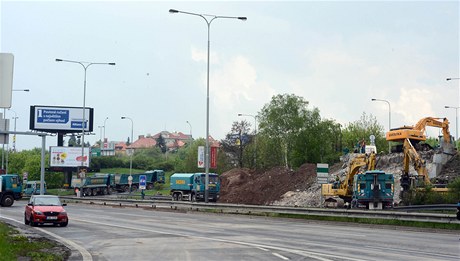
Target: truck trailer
x,y
10,189
101,184
152,177
191,186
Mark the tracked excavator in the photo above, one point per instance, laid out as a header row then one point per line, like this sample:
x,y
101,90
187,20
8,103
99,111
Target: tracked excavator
x,y
339,193
410,136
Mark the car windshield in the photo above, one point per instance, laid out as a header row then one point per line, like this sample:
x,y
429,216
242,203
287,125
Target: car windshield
x,y
46,201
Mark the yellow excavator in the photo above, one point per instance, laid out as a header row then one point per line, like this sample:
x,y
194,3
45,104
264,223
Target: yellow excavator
x,y
410,136
417,133
340,192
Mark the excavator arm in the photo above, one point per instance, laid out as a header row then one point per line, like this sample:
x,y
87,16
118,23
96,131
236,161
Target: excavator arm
x,y
411,155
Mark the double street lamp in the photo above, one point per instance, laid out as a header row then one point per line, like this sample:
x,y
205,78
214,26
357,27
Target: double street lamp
x,y
85,66
208,19
131,142
255,135
389,119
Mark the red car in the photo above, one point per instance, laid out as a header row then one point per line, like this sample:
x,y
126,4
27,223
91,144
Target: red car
x,y
45,209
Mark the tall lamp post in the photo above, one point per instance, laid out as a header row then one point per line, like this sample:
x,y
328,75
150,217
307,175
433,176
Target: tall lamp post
x,y
456,121
190,131
389,119
85,66
106,118
456,132
208,19
131,150
255,135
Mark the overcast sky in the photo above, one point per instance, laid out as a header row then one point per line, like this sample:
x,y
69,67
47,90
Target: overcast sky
x,y
336,55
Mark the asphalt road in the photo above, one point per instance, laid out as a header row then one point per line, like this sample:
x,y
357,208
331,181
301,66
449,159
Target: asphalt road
x,y
108,233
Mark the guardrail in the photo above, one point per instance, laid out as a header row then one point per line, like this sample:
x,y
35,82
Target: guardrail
x,y
253,209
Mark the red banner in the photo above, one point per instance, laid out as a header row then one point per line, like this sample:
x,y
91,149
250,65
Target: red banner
x,y
213,157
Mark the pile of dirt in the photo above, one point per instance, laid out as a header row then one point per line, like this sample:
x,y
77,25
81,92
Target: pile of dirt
x,y
245,186
281,186
451,170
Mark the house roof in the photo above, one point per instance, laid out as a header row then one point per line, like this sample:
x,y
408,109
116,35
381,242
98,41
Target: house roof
x,y
143,142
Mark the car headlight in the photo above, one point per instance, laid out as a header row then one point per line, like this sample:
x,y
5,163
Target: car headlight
x,y
63,213
38,212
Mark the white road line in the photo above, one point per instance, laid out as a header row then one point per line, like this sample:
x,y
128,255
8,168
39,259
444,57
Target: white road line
x,y
314,255
84,253
280,256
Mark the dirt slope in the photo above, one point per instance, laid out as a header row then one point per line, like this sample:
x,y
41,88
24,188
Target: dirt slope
x,y
244,186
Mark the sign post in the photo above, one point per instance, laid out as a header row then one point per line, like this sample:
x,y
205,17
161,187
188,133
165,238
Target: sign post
x,y
322,176
142,184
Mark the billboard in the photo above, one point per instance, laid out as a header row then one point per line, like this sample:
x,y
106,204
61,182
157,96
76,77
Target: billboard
x,y
68,157
60,119
200,156
6,79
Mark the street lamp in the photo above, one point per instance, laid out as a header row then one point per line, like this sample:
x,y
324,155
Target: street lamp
x,y
100,134
208,23
190,131
14,135
389,119
255,135
106,118
456,120
131,150
85,66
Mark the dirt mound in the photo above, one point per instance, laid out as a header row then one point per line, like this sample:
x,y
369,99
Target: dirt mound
x,y
245,186
451,170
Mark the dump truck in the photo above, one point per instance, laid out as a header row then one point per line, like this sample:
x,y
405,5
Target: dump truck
x,y
32,187
373,190
191,186
10,189
101,184
152,176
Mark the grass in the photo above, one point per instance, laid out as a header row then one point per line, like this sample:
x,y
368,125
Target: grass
x,y
13,245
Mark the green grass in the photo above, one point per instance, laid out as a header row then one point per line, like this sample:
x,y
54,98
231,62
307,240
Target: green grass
x,y
14,245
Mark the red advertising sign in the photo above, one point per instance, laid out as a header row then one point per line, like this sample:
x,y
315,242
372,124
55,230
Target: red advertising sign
x,y
213,157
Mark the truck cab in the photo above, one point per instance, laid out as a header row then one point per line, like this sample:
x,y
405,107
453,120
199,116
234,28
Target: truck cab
x,y
192,186
10,189
32,187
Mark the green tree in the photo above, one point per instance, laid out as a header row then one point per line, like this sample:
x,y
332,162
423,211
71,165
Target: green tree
x,y
72,141
282,120
362,129
161,143
237,140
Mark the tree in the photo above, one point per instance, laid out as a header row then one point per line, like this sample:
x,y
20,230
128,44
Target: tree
x,y
361,129
161,143
237,140
282,119
72,141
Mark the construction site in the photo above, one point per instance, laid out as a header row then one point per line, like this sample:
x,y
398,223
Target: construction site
x,y
411,164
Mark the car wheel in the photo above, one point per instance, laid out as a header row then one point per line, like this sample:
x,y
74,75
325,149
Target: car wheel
x,y
27,222
64,224
32,223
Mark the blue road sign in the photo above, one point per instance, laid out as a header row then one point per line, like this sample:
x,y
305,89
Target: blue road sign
x,y
142,181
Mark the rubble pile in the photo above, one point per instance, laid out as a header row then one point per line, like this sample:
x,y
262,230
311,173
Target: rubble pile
x,y
284,187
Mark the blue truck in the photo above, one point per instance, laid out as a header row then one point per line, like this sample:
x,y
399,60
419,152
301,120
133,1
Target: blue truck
x,y
10,189
152,177
32,187
100,184
373,189
191,186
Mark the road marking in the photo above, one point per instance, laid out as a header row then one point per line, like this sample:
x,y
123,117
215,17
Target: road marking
x,y
84,253
314,255
280,256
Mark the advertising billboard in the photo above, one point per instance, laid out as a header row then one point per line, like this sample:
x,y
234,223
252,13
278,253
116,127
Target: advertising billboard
x,y
68,157
60,119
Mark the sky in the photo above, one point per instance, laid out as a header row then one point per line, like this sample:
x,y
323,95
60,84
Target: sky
x,y
336,55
